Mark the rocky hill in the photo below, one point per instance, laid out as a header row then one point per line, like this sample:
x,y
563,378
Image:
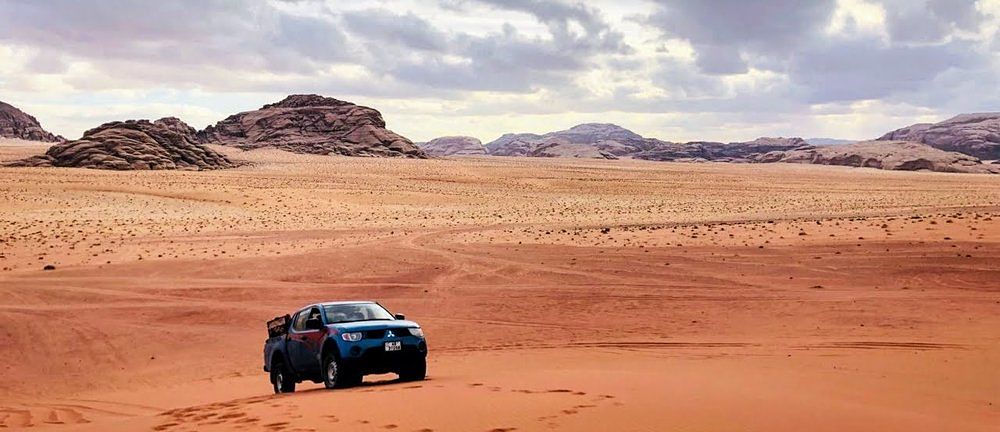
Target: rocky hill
x,y
312,124
15,123
167,143
888,155
972,134
512,144
605,137
453,146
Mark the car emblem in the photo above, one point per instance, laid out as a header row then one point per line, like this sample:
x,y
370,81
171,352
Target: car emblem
x,y
389,334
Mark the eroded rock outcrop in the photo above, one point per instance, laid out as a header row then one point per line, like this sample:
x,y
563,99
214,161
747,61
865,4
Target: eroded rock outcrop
x,y
167,143
453,146
669,151
972,134
717,151
759,145
888,155
15,123
315,125
562,148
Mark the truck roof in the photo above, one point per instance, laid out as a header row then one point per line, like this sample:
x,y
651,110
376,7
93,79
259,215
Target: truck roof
x,y
337,303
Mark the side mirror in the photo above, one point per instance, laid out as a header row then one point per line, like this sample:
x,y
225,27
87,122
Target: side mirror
x,y
400,316
314,324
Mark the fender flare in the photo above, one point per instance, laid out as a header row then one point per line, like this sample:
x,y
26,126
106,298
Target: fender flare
x,y
329,345
280,354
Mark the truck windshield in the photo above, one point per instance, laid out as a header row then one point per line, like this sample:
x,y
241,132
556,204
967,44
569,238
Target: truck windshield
x,y
342,313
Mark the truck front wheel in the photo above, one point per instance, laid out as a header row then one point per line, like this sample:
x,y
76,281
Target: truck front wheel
x,y
331,372
281,379
415,370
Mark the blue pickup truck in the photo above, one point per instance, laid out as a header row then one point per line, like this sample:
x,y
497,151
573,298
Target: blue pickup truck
x,y
338,343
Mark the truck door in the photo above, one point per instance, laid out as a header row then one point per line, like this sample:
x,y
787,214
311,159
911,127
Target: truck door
x,y
304,343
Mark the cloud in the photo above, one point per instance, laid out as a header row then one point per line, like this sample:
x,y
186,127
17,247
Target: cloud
x,y
790,37
399,30
864,69
929,21
126,29
723,32
412,50
687,68
560,17
316,39
207,38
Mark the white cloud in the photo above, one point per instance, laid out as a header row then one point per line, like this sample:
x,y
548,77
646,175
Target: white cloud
x,y
858,17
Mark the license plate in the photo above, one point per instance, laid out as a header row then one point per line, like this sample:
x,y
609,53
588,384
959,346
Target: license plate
x,y
394,346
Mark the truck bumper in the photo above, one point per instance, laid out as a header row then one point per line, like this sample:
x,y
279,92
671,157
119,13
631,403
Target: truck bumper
x,y
376,360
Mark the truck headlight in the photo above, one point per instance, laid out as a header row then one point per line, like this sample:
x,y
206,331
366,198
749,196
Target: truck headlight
x,y
417,331
351,337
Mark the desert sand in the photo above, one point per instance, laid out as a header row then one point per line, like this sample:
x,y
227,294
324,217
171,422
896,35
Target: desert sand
x,y
567,295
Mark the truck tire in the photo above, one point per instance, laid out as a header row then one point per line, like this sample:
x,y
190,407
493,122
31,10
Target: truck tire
x,y
281,380
350,378
414,371
331,372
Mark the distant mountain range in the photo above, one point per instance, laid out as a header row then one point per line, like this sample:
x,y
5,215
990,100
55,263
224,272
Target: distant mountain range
x,y
315,124
954,145
610,141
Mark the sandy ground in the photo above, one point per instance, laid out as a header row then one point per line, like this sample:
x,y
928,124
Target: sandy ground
x,y
556,294
13,149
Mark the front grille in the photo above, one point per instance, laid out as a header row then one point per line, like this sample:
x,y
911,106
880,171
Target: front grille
x,y
380,334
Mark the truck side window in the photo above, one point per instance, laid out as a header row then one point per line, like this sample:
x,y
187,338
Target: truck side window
x,y
300,321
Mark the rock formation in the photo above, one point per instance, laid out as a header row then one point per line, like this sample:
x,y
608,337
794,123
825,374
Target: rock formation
x,y
312,124
167,143
668,151
888,155
557,147
764,144
453,146
973,134
15,123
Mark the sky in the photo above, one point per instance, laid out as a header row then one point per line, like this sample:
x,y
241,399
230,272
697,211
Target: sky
x,y
678,70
